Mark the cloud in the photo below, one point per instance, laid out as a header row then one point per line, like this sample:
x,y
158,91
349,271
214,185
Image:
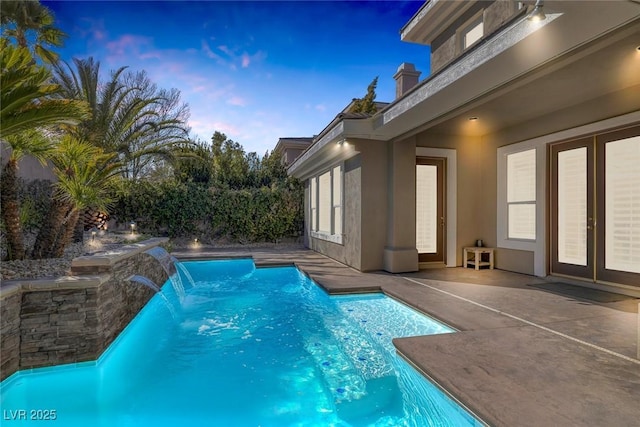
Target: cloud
x,y
207,51
321,107
231,57
131,46
91,29
246,60
127,42
237,101
226,50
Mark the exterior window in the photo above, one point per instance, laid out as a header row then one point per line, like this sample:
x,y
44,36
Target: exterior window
x,y
326,205
472,33
314,204
337,200
521,195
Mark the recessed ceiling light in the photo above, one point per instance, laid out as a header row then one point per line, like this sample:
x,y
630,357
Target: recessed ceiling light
x,y
473,119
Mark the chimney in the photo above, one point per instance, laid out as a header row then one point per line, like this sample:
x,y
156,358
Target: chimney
x,y
406,78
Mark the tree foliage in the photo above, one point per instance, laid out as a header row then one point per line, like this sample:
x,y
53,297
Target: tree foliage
x,y
28,98
30,24
130,115
219,191
366,105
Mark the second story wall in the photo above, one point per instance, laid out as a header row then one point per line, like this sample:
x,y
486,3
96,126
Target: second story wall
x,y
476,23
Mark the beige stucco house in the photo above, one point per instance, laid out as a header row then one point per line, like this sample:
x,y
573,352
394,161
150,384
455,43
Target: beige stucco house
x,y
526,134
290,148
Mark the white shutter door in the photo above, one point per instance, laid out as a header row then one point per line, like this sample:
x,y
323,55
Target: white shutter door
x,y
426,208
622,205
572,206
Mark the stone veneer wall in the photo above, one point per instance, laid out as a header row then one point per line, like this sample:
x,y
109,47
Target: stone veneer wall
x,y
75,318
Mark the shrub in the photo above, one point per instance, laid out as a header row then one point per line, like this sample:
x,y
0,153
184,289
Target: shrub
x,y
187,209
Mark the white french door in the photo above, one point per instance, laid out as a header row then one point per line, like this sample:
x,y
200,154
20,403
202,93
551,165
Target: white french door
x,y
430,209
595,207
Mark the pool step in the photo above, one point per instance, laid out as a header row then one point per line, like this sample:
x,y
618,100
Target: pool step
x,y
366,354
341,376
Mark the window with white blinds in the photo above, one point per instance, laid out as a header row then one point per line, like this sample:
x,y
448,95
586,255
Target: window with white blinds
x,y
521,195
337,200
473,33
622,205
326,205
426,208
313,196
572,206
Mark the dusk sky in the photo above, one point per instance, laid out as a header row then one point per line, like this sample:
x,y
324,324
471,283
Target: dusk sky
x,y
256,71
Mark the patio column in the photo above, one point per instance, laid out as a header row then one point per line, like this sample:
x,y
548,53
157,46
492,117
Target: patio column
x,y
400,253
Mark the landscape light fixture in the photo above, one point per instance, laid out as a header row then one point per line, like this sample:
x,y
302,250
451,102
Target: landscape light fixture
x,y
133,227
537,14
93,234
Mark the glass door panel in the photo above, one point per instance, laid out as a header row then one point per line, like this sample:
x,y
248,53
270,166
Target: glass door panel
x,y
619,207
571,205
430,209
426,208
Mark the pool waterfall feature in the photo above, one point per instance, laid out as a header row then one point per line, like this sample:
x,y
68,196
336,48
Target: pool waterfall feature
x,y
174,269
71,319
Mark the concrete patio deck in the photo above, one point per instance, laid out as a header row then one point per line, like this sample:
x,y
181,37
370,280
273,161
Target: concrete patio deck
x,y
530,352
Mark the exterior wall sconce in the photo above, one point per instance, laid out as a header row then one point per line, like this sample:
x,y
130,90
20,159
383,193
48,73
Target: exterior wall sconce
x,y
537,14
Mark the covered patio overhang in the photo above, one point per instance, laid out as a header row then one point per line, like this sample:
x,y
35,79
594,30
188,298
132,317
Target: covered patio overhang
x,y
530,70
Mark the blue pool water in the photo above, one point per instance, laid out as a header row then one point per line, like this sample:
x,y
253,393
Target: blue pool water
x,y
245,347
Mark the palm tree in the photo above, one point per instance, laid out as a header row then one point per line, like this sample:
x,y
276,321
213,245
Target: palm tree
x,y
85,174
27,94
29,22
37,145
130,115
26,108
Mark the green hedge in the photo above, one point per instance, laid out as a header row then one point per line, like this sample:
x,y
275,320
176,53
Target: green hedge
x,y
188,209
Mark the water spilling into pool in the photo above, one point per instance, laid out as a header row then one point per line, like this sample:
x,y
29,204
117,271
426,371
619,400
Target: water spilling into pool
x,y
248,347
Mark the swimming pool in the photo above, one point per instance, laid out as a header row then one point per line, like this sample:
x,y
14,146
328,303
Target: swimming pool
x,y
245,347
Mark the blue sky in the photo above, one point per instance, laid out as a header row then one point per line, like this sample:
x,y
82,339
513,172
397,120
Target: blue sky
x,y
256,71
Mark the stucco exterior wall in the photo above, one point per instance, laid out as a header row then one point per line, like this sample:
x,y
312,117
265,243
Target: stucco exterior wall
x,y
349,252
498,13
353,211
365,209
477,197
29,168
374,198
471,156
448,46
444,53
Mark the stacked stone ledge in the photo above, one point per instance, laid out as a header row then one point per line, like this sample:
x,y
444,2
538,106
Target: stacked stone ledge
x,y
46,322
